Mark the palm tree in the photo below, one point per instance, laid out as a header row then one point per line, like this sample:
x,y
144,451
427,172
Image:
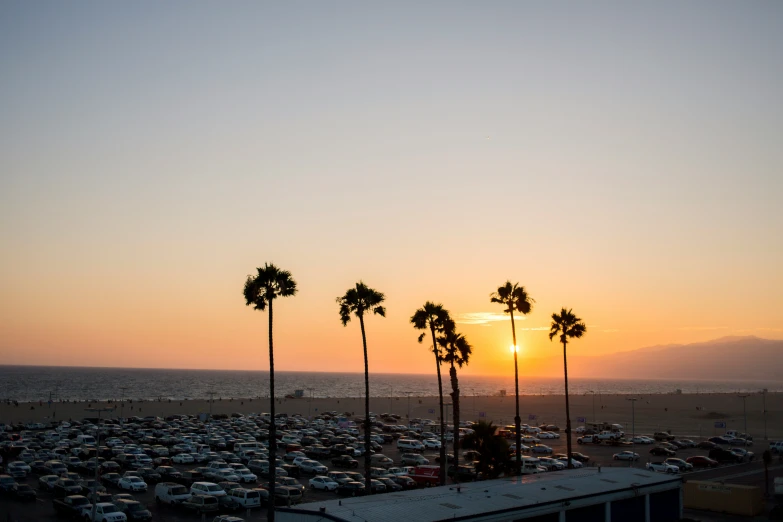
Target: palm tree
x,y
514,297
261,291
435,318
567,325
456,351
493,449
359,300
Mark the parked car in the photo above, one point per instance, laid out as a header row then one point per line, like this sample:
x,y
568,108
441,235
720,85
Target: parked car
x,y
413,459
323,483
132,483
681,464
201,504
351,489
700,461
660,451
661,467
24,492
133,510
626,455
724,456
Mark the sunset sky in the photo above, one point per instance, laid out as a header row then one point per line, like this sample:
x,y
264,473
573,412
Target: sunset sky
x,y
620,159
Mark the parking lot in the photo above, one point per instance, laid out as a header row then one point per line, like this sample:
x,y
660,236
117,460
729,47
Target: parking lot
x,y
222,434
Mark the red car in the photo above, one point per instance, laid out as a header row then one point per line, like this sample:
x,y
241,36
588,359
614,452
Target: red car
x,y
701,461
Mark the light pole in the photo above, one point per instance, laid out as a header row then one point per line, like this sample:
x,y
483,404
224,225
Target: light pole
x,y
517,420
97,448
633,423
744,411
391,394
764,410
447,406
122,405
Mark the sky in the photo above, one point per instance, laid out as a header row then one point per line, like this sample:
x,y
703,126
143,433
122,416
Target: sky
x,y
620,159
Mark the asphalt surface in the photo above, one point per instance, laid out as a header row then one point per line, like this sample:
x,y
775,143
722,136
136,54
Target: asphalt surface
x,y
747,473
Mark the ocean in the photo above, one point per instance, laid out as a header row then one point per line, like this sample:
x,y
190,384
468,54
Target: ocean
x,y
35,383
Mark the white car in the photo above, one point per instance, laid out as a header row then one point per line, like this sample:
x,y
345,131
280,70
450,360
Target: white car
x,y
312,466
528,439
548,435
626,455
541,448
662,467
431,443
183,458
575,463
132,484
244,474
207,488
225,475
324,483
641,439
580,429
551,464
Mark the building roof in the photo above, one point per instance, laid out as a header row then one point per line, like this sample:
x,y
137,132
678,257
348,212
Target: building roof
x,y
475,499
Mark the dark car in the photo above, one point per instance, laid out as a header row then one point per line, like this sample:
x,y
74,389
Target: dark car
x,y
700,461
351,489
724,456
464,474
293,471
168,473
187,478
111,479
227,503
580,457
149,475
89,486
24,492
707,445
405,481
660,451
719,440
65,487
7,483
133,510
391,486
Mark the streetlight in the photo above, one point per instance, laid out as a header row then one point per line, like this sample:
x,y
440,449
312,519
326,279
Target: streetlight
x,y
448,405
408,393
514,348
633,421
764,408
744,411
97,448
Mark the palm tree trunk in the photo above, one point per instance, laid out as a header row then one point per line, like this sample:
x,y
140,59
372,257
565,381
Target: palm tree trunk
x,y
442,419
517,418
568,410
367,463
455,407
270,509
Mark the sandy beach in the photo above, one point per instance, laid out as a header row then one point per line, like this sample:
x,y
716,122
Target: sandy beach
x,y
691,415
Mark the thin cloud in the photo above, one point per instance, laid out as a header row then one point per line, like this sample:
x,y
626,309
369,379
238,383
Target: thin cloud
x,y
701,328
483,318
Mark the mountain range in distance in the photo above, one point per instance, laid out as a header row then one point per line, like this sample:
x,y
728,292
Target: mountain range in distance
x,y
727,358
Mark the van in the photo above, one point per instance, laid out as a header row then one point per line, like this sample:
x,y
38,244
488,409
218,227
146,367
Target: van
x,y
171,493
247,498
287,495
410,445
530,466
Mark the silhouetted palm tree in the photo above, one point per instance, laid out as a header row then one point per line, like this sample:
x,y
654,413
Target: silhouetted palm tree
x,y
493,449
456,351
435,318
566,324
514,297
261,291
357,301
